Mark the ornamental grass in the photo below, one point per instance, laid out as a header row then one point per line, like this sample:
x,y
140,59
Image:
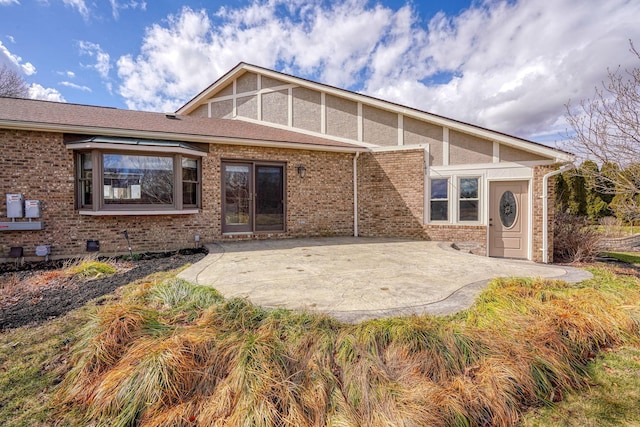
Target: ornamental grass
x,y
177,354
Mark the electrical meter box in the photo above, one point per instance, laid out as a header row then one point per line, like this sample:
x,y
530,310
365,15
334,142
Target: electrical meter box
x,y
15,206
32,209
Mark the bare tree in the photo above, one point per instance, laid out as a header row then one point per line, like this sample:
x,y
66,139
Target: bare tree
x,y
12,85
606,129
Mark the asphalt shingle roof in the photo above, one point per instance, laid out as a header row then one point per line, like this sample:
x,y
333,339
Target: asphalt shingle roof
x,y
23,112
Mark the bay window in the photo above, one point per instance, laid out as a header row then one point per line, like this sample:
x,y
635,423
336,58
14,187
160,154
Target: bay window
x,y
137,180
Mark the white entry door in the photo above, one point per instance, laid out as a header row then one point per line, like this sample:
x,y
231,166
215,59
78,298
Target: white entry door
x,y
509,219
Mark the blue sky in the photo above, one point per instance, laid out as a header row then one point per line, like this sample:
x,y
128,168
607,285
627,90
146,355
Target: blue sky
x,y
507,65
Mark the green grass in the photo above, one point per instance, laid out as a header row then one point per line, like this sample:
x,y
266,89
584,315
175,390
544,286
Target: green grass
x,y
169,353
610,400
33,361
92,268
617,230
628,257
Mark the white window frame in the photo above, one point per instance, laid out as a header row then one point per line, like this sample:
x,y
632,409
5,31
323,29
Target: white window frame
x,y
454,199
480,199
449,193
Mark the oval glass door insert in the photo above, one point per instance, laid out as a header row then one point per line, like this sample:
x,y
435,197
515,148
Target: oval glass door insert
x,y
508,209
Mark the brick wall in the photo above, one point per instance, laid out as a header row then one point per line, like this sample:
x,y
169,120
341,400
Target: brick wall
x,y
391,201
38,165
320,204
391,194
390,186
538,173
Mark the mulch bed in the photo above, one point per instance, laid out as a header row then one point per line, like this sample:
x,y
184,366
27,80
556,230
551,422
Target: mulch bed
x,y
63,294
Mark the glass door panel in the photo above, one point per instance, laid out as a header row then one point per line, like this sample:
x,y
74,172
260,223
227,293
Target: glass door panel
x,y
269,198
237,197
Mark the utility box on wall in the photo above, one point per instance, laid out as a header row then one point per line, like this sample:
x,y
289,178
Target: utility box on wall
x,y
15,206
16,209
32,209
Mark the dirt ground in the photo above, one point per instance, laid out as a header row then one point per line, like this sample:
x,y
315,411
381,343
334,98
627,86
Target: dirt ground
x,y
54,295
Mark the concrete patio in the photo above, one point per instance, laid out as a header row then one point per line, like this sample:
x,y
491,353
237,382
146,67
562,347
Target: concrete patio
x,y
355,279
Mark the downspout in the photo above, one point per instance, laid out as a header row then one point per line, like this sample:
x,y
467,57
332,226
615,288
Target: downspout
x,y
545,210
355,194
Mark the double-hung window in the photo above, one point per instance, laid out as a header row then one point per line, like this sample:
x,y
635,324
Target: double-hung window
x,y
468,199
123,177
455,199
439,203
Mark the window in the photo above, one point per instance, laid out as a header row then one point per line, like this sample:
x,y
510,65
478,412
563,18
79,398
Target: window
x,y
120,181
468,199
439,200
190,182
85,179
137,179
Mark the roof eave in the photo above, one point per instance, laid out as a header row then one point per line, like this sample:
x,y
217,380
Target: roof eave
x,y
194,102
207,139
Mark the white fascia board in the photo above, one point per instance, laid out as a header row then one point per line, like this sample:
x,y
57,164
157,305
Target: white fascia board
x,y
222,81
393,148
46,127
503,165
289,145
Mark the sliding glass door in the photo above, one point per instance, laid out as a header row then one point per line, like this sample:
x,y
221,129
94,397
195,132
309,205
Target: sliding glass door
x,y
252,197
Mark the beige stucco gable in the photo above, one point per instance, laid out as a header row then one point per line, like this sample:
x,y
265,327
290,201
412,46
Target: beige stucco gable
x,y
256,94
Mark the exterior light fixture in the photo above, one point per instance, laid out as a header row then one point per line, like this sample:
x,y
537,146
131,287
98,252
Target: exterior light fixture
x,y
302,171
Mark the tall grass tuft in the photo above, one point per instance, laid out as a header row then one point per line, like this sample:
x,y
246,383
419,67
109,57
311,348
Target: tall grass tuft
x,y
176,354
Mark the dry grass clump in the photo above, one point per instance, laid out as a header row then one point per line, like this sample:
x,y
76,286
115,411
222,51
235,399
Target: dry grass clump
x,y
176,354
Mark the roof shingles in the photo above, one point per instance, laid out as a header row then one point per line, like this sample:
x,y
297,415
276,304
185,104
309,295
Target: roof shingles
x,y
42,114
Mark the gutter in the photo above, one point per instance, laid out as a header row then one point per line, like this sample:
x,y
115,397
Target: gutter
x,y
545,210
355,194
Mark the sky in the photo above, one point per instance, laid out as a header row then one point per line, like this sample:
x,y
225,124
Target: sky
x,y
509,65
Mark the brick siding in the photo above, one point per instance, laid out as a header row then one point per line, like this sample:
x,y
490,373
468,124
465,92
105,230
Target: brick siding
x,y
39,166
390,188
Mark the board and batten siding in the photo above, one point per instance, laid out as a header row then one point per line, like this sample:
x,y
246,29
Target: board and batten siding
x,y
261,98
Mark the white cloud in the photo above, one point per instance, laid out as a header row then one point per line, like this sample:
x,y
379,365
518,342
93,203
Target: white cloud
x,y
8,2
102,59
78,5
11,38
37,91
76,86
117,6
6,56
507,65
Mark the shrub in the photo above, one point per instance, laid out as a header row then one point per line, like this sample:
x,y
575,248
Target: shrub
x,y
92,268
161,357
574,240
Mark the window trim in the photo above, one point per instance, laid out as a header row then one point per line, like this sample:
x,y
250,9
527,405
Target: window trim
x,y
454,199
448,199
459,199
99,207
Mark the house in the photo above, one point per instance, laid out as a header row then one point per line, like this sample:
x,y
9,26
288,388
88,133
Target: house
x,y
262,154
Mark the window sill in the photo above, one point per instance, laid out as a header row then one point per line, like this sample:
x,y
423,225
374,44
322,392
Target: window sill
x,y
140,212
